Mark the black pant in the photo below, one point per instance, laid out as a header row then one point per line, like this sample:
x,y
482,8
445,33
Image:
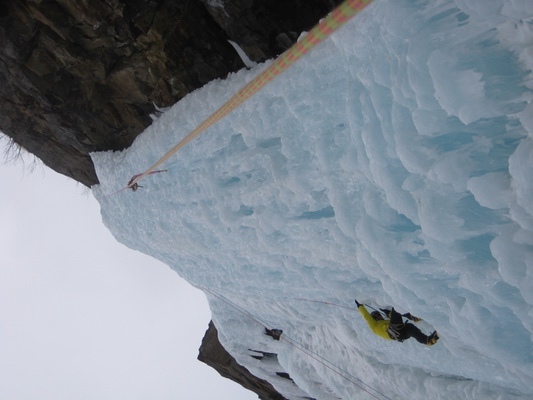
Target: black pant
x,y
405,330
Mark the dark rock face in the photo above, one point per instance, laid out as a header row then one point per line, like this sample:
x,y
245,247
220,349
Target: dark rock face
x,y
213,354
79,76
83,76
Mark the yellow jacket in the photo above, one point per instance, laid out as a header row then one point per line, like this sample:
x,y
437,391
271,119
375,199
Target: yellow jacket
x,y
378,327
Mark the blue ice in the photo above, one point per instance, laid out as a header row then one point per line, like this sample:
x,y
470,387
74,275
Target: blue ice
x,y
392,164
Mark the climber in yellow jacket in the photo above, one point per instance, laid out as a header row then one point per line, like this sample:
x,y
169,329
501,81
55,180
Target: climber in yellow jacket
x,y
395,328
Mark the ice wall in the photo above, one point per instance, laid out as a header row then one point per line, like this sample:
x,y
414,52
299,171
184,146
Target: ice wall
x,y
393,165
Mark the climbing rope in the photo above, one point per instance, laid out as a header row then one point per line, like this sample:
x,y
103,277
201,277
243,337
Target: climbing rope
x,y
325,28
325,302
328,364
406,315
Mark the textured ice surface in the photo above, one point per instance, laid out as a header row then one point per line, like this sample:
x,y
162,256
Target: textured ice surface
x,y
393,164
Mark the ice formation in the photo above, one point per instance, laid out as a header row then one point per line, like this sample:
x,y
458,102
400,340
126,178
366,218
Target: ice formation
x,y
392,164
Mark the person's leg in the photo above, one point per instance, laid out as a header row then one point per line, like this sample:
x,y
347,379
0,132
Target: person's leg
x,y
411,331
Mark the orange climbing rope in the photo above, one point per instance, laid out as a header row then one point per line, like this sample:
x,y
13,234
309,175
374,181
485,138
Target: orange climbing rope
x,y
320,32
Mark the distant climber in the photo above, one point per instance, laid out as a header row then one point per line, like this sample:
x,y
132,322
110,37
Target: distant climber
x,y
274,333
395,328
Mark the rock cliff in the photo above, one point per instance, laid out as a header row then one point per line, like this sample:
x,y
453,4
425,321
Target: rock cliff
x,y
213,354
80,76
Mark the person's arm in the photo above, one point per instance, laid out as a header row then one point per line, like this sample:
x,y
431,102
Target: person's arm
x,y
366,315
408,315
411,317
378,327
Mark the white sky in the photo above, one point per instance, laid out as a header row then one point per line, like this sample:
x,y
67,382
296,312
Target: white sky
x,y
84,317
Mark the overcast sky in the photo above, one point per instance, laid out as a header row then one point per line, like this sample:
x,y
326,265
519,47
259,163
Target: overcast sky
x,y
84,317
